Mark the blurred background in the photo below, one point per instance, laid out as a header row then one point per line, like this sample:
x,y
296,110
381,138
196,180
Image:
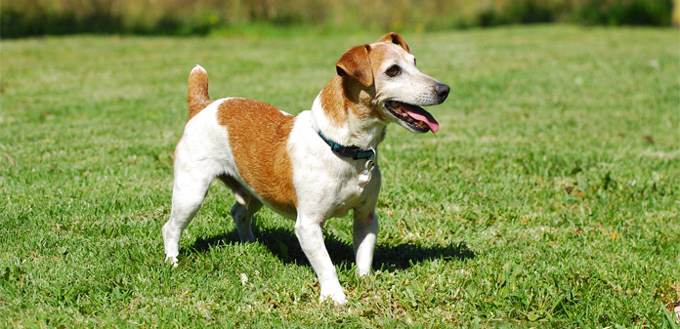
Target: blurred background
x,y
201,17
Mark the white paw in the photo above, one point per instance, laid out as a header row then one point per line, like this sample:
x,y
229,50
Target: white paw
x,y
172,259
338,297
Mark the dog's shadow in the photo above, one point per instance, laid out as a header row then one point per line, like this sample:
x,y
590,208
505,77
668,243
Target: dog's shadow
x,y
284,244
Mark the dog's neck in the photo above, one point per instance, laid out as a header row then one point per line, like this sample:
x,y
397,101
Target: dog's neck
x,y
344,112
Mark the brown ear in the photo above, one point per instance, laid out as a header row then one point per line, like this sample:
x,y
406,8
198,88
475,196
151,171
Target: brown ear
x,y
355,64
395,39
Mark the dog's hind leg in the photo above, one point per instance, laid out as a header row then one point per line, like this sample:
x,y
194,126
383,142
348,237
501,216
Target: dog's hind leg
x,y
242,216
191,184
243,210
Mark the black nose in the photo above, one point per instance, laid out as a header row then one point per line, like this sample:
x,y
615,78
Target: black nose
x,y
442,90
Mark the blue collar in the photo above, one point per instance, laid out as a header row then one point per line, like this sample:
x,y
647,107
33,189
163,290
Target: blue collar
x,y
353,152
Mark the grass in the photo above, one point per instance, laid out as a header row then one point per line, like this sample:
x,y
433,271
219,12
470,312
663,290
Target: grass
x,y
549,198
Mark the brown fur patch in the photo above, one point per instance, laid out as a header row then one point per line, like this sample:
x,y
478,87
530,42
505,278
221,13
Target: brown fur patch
x,y
198,96
333,102
361,100
341,95
258,133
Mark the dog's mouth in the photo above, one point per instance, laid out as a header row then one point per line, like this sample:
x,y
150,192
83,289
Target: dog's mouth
x,y
415,117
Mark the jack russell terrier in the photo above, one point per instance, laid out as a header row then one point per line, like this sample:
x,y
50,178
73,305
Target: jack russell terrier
x,y
319,164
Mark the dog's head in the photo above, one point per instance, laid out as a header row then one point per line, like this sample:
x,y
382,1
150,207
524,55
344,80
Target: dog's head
x,y
386,71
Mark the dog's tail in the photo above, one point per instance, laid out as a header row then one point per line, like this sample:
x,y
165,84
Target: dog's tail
x,y
198,90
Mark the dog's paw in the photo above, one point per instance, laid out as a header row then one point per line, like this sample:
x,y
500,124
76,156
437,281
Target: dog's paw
x,y
338,297
172,260
364,272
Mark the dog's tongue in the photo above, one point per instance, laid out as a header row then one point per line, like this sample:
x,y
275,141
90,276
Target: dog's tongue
x,y
418,114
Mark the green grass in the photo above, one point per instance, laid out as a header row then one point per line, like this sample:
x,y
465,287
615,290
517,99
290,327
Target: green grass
x,y
549,198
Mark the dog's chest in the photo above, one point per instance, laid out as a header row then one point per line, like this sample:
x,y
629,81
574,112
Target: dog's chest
x,y
327,185
351,195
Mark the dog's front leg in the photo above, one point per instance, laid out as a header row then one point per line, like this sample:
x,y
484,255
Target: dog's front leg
x,y
308,232
365,235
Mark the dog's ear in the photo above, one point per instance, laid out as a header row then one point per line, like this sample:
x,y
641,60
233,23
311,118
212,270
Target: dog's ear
x,y
355,64
395,39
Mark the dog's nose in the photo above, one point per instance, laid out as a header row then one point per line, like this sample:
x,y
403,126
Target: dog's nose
x,y
442,90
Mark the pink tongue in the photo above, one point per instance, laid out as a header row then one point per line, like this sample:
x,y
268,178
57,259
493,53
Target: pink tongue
x,y
421,115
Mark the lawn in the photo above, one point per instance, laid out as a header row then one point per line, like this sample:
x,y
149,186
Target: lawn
x,y
549,198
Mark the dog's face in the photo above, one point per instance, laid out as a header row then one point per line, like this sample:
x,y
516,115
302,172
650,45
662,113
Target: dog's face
x,y
387,71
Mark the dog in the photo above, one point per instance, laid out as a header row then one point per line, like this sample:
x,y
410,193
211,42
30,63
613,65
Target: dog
x,y
319,164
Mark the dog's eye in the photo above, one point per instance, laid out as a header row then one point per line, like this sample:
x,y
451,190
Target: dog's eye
x,y
393,71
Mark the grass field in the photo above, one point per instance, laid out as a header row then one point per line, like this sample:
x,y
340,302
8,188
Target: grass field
x,y
549,198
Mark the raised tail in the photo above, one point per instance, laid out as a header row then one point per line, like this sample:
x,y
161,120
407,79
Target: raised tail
x,y
198,90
